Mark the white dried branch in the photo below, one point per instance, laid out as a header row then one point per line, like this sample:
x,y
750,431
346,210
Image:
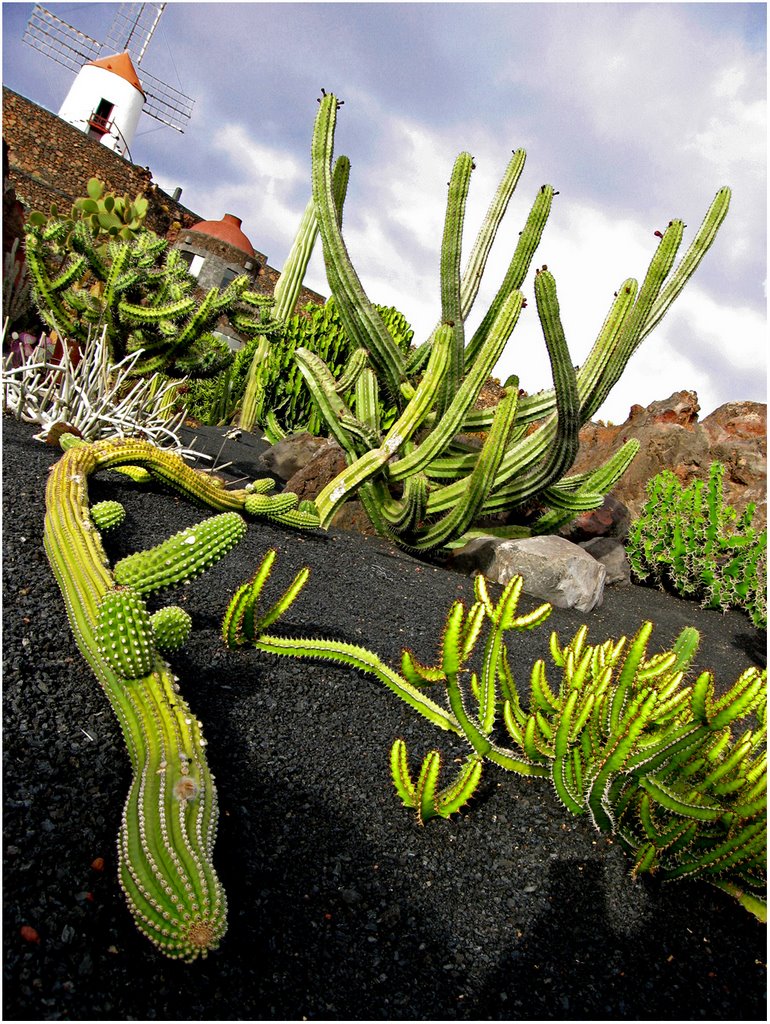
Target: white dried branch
x,y
98,398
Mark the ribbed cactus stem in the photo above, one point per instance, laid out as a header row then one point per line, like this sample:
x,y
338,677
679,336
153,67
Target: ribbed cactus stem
x,y
289,283
171,627
689,263
477,260
452,420
365,467
451,251
170,817
185,555
169,820
478,484
362,322
523,254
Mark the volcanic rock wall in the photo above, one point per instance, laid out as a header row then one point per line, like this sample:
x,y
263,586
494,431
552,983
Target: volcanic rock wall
x,y
671,437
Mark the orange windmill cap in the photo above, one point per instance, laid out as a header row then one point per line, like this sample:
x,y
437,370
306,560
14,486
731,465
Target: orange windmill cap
x,y
122,65
228,229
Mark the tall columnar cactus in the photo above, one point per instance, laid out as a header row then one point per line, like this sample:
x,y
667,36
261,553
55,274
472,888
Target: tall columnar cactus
x,y
141,292
285,295
420,485
169,820
622,738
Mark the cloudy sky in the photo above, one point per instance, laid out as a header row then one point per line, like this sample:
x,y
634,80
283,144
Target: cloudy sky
x,y
636,113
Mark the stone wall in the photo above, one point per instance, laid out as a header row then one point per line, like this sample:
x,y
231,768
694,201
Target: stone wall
x,y
51,161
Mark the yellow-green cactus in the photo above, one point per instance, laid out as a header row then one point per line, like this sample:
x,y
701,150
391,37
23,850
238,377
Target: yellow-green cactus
x,y
170,817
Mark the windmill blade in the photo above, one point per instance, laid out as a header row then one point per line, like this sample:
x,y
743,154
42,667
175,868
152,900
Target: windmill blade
x,y
59,40
132,29
166,104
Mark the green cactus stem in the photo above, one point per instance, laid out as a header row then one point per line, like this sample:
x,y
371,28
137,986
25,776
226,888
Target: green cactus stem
x,y
171,627
286,294
362,322
182,557
106,515
688,539
540,445
140,290
622,738
169,820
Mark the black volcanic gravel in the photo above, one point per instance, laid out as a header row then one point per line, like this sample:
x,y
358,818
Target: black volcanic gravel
x,y
341,906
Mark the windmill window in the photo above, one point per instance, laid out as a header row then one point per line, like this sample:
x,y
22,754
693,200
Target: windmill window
x,y
193,261
228,277
99,120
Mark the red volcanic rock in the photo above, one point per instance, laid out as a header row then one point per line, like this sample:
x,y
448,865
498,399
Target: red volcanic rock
x,y
611,519
681,408
308,481
742,420
671,437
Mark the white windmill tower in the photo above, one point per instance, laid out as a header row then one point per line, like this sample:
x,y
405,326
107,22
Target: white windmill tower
x,y
107,97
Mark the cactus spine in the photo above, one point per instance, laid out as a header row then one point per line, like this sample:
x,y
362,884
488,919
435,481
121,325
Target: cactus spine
x,y
169,820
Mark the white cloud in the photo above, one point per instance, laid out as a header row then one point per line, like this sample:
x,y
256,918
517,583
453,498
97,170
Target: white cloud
x,y
267,179
648,97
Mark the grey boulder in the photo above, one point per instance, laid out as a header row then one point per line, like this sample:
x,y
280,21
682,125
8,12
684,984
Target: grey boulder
x,y
553,569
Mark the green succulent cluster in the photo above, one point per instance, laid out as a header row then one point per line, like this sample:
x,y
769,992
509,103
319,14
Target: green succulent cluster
x,y
283,403
422,486
141,291
108,215
622,737
690,540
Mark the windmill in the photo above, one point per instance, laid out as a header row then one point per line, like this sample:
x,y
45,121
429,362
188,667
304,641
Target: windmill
x,y
107,96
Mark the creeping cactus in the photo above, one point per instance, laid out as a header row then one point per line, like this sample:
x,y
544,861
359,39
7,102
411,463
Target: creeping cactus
x,y
420,484
621,737
687,538
170,816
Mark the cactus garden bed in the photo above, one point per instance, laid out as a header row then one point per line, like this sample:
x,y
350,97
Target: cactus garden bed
x,y
340,905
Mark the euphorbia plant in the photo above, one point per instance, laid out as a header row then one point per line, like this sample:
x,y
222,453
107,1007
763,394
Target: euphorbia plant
x,y
622,736
690,540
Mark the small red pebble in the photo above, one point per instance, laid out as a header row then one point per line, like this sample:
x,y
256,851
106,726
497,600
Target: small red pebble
x,y
98,864
28,933
90,897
